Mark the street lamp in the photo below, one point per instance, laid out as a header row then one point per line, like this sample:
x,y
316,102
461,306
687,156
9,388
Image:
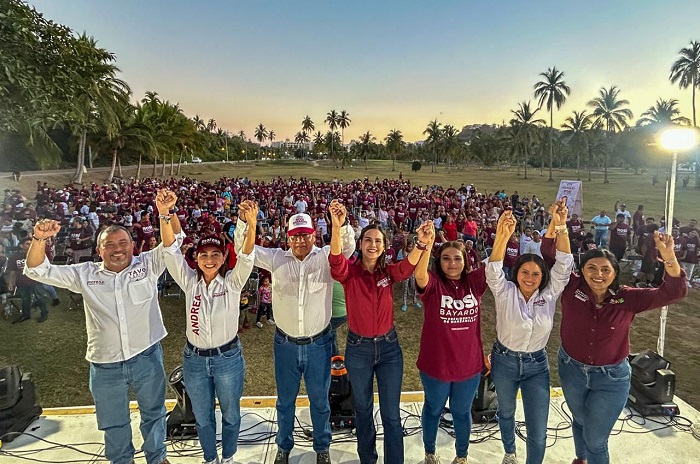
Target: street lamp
x,y
674,140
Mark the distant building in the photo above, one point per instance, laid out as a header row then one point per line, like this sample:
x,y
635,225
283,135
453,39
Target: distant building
x,y
291,147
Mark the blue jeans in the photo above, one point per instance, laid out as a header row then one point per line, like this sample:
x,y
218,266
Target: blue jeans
x,y
461,395
601,238
109,385
365,357
596,396
335,323
530,373
313,361
25,292
223,375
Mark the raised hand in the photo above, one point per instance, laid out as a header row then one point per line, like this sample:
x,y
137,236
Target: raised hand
x,y
165,201
506,224
559,212
664,244
252,211
338,213
46,228
426,232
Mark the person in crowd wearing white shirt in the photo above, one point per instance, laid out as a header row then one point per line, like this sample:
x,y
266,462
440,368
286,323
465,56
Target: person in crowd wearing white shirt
x,y
213,364
124,329
302,289
525,238
301,205
524,319
533,246
624,211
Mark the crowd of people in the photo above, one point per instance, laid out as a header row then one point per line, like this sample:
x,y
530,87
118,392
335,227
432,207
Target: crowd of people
x,y
317,246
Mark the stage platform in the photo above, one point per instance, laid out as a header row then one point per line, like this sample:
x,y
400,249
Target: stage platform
x,y
70,435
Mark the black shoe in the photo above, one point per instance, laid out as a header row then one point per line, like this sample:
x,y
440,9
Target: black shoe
x,y
56,302
21,319
282,457
43,318
323,458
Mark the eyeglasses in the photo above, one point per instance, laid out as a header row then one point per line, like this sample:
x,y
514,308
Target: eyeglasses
x,y
299,237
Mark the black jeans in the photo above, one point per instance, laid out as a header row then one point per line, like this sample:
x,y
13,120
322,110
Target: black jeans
x,y
25,292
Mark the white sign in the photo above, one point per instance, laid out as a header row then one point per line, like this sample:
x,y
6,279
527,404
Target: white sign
x,y
573,191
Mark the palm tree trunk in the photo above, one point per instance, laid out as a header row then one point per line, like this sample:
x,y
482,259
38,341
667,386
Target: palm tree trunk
x,y
393,162
90,156
526,150
155,164
78,178
551,147
114,166
162,171
119,166
578,165
172,164
179,163
138,170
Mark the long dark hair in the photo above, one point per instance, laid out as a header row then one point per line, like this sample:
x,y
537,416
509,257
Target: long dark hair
x,y
603,253
532,258
381,261
437,268
222,270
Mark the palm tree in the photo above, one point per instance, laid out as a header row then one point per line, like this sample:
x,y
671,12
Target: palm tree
x,y
576,130
198,122
307,125
595,142
394,144
434,134
552,91
343,122
365,146
686,71
260,135
302,138
332,121
211,125
525,133
610,115
664,112
450,142
271,137
318,142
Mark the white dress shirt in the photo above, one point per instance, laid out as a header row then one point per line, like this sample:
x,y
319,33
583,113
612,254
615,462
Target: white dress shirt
x,y
122,314
211,311
525,325
302,290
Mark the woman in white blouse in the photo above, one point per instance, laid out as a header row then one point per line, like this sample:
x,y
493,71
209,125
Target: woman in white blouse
x,y
213,364
524,318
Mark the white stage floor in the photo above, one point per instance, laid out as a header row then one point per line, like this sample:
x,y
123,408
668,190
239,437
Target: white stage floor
x,y
70,436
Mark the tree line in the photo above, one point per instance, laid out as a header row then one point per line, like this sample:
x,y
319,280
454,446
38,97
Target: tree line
x,y
62,102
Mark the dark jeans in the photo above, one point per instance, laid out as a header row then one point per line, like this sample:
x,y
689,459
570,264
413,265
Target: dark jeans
x,y
264,309
366,357
313,362
596,395
25,292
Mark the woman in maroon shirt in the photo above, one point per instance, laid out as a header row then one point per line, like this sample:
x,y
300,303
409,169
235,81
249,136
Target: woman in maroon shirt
x,y
595,325
451,358
372,346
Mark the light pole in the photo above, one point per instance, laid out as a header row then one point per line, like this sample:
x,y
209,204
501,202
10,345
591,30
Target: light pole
x,y
673,140
226,143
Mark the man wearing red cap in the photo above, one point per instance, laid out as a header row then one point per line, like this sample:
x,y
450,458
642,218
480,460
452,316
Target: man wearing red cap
x,y
302,289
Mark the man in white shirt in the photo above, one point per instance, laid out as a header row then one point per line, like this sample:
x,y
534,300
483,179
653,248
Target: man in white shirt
x,y
301,205
534,245
124,329
302,290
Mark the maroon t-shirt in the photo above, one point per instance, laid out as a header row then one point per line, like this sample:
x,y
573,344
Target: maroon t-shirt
x,y
450,343
691,246
618,236
512,253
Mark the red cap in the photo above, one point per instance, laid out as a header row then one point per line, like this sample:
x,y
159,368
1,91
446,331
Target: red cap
x,y
210,241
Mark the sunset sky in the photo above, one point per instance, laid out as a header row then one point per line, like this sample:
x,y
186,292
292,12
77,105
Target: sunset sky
x,y
390,64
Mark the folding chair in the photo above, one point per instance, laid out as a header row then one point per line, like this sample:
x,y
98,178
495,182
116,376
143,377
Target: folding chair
x,y
61,260
167,287
86,259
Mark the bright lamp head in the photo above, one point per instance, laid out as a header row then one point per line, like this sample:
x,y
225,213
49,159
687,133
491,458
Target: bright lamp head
x,y
679,139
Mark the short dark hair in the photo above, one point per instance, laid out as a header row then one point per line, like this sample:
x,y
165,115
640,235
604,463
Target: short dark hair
x,y
603,253
531,258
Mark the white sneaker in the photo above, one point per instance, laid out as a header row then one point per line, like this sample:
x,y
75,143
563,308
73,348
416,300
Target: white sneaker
x,y
259,324
213,461
431,458
509,458
227,460
458,460
271,321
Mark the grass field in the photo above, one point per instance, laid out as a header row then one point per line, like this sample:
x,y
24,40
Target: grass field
x,y
54,351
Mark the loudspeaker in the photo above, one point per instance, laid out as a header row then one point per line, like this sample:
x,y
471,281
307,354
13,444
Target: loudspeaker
x,y
17,403
181,421
340,396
